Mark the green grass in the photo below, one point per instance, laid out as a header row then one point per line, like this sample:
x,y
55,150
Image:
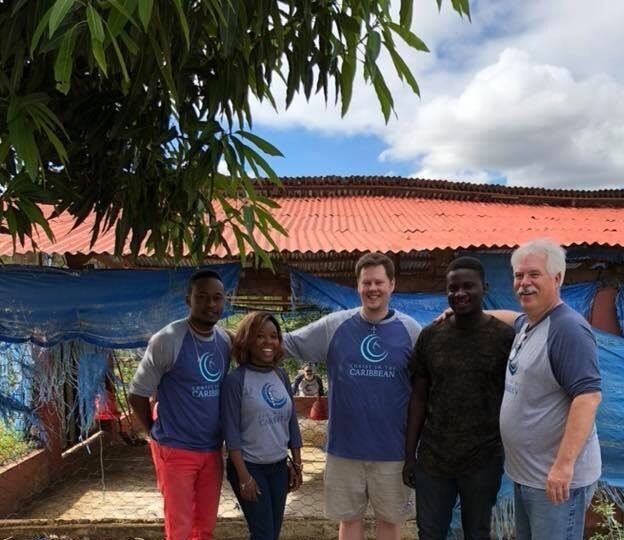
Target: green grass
x,y
12,445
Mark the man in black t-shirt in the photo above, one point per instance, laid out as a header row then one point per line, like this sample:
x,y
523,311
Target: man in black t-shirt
x,y
453,444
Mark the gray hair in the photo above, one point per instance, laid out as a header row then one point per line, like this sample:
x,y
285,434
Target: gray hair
x,y
555,255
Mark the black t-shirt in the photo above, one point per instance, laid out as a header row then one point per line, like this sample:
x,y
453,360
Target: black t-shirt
x,y
465,369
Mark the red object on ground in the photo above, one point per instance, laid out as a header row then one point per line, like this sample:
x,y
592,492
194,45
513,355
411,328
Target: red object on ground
x,y
106,409
318,411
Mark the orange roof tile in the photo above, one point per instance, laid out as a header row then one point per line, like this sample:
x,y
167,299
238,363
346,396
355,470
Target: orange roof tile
x,y
390,224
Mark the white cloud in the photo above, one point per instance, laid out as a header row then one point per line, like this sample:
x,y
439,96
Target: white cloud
x,y
530,91
532,123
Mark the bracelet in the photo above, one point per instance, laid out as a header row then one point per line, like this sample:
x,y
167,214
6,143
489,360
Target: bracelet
x,y
243,485
297,466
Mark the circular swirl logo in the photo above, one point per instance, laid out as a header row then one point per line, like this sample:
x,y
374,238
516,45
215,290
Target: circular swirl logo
x,y
274,398
372,350
208,368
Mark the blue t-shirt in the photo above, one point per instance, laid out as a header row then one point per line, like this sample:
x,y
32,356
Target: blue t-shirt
x,y
185,371
369,381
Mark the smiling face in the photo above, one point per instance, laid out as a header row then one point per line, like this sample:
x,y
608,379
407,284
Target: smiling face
x,y
464,290
375,288
266,345
536,289
206,301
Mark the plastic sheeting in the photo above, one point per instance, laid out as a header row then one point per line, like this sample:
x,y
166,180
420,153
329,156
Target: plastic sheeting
x,y
327,295
610,419
107,308
424,307
619,306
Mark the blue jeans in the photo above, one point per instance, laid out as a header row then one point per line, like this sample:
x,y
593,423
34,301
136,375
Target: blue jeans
x,y
436,496
264,517
539,519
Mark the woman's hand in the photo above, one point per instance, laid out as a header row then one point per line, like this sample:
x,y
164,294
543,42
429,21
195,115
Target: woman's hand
x,y
295,475
249,490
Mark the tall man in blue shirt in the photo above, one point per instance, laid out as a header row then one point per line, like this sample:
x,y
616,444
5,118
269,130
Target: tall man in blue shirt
x,y
184,365
367,350
552,392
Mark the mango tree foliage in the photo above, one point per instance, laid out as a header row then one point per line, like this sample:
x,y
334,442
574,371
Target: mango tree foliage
x,y
126,108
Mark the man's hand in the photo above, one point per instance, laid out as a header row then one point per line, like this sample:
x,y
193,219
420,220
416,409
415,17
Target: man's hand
x,y
558,483
448,312
409,472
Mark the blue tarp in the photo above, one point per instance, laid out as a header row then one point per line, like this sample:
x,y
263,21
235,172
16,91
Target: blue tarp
x,y
619,306
106,308
424,307
332,297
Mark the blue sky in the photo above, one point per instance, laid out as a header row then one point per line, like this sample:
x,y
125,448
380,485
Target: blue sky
x,y
310,153
528,93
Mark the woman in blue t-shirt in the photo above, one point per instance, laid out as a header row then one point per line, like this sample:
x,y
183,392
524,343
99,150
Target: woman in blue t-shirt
x,y
260,425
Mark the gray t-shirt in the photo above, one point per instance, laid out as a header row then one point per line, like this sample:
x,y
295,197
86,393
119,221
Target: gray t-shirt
x,y
258,414
550,364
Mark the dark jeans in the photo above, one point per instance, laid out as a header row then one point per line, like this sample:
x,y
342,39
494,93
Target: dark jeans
x,y
436,496
264,517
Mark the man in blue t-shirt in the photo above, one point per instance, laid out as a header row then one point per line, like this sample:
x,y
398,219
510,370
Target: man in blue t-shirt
x,y
367,350
184,367
552,392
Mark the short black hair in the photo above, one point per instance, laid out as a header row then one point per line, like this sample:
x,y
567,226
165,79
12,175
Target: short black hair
x,y
201,274
468,263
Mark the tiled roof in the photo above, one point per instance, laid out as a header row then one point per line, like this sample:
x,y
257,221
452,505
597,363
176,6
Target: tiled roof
x,y
356,214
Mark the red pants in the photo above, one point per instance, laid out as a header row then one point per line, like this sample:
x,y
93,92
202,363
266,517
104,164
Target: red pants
x,y
190,483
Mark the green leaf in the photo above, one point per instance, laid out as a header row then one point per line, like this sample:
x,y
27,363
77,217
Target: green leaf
x,y
95,24
120,58
65,61
41,26
120,15
21,133
406,13
59,11
383,93
130,44
261,143
183,22
409,37
403,70
346,79
373,46
100,57
145,12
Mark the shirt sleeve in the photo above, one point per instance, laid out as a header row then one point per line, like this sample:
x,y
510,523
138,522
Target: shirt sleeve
x,y
231,401
519,322
573,356
296,383
158,358
321,389
293,426
309,343
418,361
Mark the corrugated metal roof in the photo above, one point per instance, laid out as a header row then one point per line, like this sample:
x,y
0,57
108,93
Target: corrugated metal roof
x,y
347,223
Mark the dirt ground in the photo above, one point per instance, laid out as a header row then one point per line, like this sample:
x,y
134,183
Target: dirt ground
x,y
114,496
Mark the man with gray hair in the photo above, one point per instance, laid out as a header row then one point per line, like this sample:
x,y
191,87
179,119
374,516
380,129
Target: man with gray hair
x,y
552,392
